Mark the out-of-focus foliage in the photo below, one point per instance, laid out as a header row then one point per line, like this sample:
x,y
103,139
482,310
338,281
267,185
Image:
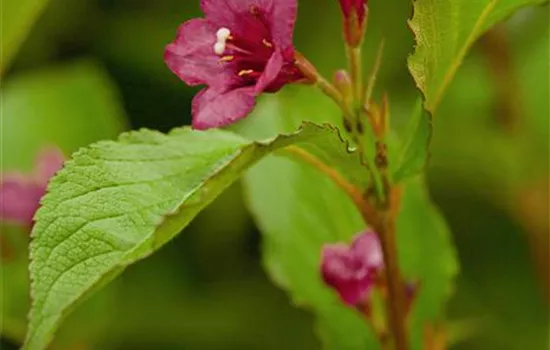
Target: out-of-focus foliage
x,y
444,31
79,95
488,181
17,20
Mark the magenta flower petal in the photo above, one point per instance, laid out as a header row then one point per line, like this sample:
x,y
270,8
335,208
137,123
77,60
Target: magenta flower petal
x,y
271,72
19,198
283,21
214,108
279,15
191,56
352,271
227,12
20,193
367,246
243,46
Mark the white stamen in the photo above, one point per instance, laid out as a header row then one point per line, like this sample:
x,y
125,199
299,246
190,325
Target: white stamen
x,y
219,48
222,34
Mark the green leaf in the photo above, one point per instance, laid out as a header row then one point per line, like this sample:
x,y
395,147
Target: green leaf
x,y
17,20
298,209
445,30
117,202
68,106
414,152
426,254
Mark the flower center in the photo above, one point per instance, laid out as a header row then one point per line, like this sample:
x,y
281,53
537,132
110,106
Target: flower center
x,y
247,49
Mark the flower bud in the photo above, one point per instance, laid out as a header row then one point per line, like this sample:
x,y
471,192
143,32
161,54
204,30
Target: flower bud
x,y
342,82
353,270
355,18
21,192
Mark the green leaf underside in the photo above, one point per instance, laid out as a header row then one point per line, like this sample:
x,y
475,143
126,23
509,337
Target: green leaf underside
x,y
444,31
117,202
299,210
414,152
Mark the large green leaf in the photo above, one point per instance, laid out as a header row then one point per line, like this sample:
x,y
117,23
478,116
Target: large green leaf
x,y
67,106
117,202
18,16
426,255
445,30
299,209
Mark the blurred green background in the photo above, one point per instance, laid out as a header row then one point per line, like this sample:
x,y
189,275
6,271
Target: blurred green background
x,y
87,70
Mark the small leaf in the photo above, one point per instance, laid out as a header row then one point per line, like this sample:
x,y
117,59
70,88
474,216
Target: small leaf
x,y
415,150
17,20
117,202
445,30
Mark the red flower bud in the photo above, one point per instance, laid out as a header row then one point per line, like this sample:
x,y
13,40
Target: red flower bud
x,y
21,192
353,270
355,19
342,81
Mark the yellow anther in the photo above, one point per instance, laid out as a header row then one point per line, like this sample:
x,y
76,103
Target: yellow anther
x,y
267,43
245,72
227,58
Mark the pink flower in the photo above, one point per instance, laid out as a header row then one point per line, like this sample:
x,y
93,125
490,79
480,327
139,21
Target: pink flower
x,y
241,49
355,13
20,193
353,270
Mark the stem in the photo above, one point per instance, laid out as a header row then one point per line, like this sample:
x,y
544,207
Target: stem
x,y
366,209
374,74
309,71
352,191
395,305
355,65
383,221
508,106
396,308
332,92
